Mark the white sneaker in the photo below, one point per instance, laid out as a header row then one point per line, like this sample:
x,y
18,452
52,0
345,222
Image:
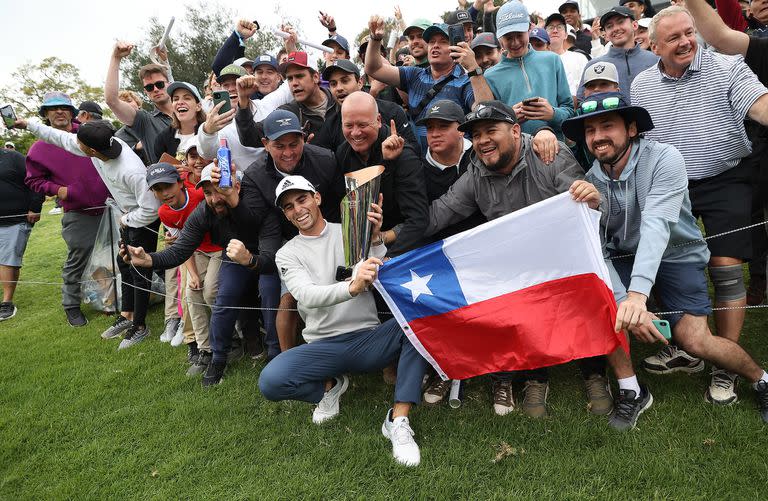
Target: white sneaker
x,y
55,210
404,448
178,338
171,325
503,400
722,388
328,407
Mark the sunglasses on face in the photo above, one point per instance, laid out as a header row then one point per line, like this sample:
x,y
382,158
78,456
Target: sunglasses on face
x,y
609,103
160,84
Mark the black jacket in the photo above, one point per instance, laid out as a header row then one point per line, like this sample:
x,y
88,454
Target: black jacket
x,y
438,181
317,165
403,187
262,240
15,196
310,122
331,136
166,142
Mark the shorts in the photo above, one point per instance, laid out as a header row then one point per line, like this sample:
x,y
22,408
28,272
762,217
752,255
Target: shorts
x,y
678,287
13,243
724,203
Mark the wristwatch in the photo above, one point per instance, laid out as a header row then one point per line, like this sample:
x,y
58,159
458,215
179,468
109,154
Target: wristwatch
x,y
253,261
476,72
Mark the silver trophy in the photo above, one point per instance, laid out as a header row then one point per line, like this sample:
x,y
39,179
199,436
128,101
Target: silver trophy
x,y
362,190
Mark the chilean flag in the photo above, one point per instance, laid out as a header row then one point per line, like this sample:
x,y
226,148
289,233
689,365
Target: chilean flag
x,y
527,290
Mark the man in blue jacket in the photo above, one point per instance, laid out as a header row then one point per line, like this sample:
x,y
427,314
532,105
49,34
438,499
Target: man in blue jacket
x,y
532,82
650,237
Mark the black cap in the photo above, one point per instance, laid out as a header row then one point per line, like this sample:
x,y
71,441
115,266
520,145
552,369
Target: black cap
x,y
484,39
100,136
162,172
344,65
90,107
569,3
458,17
494,111
443,109
555,17
618,11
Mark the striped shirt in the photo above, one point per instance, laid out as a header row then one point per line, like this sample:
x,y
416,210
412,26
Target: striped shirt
x,y
702,112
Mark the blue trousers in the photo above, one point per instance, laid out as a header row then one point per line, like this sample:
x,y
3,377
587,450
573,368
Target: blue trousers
x,y
300,373
238,286
269,292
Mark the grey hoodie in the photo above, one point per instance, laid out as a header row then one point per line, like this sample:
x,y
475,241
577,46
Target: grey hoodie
x,y
647,212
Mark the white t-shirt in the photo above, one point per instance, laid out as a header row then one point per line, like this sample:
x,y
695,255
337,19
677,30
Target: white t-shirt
x,y
574,68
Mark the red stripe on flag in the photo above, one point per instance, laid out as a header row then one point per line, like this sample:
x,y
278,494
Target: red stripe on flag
x,y
543,325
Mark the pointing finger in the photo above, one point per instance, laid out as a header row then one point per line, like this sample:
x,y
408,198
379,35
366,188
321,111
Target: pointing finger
x,y
393,127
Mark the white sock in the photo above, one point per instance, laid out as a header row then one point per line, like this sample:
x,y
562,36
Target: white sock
x,y
630,383
764,377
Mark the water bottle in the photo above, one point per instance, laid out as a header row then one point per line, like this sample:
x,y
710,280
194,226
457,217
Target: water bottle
x,y
224,156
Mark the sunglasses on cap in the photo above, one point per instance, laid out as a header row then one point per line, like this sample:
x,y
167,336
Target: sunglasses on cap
x,y
160,84
609,103
489,112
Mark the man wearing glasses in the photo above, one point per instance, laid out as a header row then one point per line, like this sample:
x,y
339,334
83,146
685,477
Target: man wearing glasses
x,y
146,125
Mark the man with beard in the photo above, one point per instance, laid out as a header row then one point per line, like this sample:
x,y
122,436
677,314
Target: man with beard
x,y
722,90
505,175
417,47
647,220
53,171
249,252
154,78
343,78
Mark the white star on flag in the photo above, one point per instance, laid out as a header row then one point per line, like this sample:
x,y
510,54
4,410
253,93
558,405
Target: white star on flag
x,y
418,285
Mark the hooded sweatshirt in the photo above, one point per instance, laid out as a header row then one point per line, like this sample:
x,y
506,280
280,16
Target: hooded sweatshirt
x,y
647,212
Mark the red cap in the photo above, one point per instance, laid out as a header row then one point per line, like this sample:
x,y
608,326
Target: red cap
x,y
297,58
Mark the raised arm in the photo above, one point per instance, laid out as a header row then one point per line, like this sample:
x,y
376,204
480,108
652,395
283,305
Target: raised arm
x,y
374,62
63,139
714,30
122,110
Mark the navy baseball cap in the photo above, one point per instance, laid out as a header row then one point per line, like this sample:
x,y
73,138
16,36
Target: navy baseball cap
x,y
265,60
338,40
458,17
569,3
162,172
539,34
281,122
618,11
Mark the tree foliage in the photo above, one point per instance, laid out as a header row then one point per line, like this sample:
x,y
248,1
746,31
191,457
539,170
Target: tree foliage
x,y
192,44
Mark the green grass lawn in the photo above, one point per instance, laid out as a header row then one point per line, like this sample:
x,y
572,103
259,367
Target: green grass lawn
x,y
78,420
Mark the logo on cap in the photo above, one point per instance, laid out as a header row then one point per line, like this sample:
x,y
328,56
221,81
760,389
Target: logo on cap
x,y
264,58
284,122
462,16
511,15
156,171
434,109
599,68
287,183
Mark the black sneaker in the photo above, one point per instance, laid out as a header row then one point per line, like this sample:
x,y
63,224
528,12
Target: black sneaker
x,y
7,310
201,364
214,373
193,353
627,407
762,399
75,317
121,325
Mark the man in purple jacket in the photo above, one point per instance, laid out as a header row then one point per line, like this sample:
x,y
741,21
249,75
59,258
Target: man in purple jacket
x,y
53,171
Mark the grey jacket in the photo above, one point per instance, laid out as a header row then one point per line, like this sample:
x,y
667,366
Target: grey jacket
x,y
497,195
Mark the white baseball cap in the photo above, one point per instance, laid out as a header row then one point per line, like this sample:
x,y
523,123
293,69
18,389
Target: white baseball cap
x,y
290,183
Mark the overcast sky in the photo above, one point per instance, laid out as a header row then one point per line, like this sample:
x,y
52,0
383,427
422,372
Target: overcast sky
x,y
83,32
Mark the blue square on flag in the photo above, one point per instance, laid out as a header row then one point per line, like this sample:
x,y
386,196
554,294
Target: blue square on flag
x,y
422,283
